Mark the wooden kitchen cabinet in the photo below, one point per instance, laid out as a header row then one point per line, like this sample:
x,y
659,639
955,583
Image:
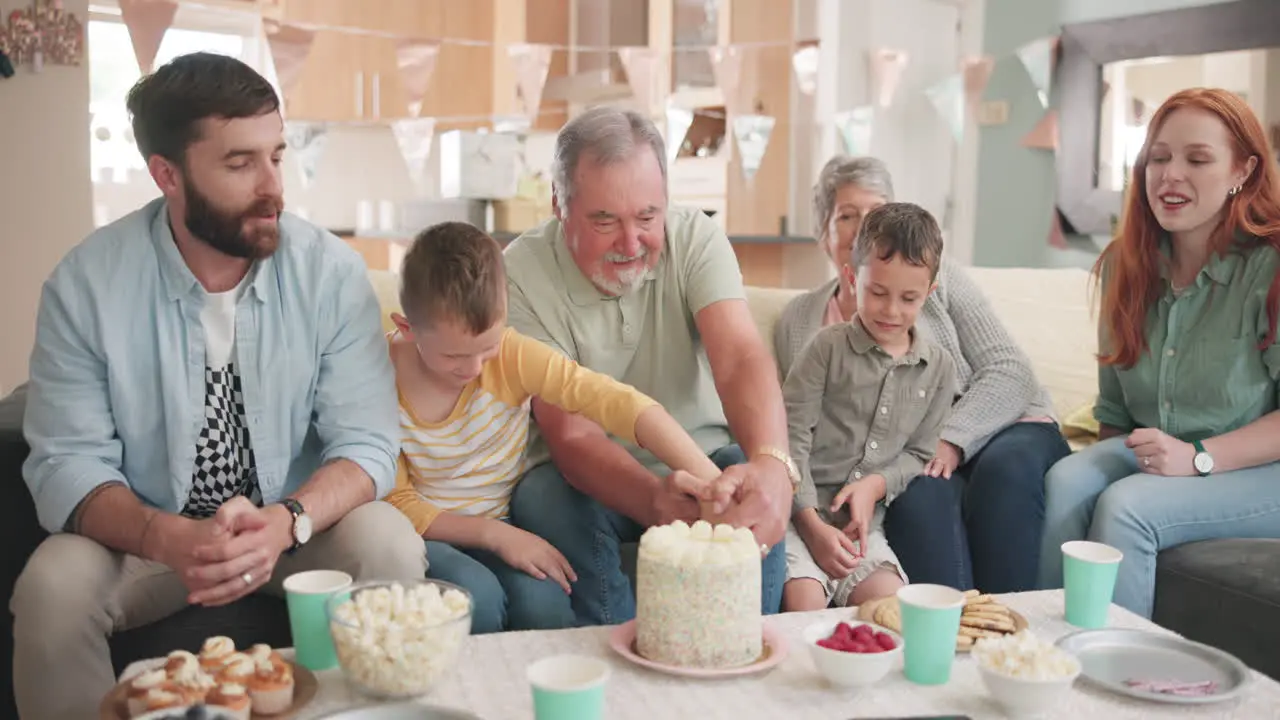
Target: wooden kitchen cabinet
x,y
760,206
352,74
372,15
330,88
386,99
351,78
764,27
461,19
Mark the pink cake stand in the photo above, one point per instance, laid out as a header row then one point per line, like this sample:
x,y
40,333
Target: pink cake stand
x,y
622,638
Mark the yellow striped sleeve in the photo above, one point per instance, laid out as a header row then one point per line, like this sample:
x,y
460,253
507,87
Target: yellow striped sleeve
x,y
406,498
525,367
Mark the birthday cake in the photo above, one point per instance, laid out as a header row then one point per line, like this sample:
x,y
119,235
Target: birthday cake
x,y
698,596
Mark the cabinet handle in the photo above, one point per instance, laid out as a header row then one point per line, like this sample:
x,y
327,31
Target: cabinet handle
x,y
377,96
360,95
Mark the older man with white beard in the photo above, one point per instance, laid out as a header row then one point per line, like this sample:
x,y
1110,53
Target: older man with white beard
x,y
653,297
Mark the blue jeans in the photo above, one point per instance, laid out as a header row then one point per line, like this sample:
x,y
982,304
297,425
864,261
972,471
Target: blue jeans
x,y
591,537
982,527
504,598
1100,494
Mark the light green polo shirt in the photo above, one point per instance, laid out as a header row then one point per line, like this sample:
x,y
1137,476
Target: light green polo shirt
x,y
1203,374
647,338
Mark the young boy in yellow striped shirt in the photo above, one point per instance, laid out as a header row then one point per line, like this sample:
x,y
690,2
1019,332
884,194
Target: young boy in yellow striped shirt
x,y
465,382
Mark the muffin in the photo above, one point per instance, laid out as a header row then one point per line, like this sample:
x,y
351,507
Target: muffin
x,y
237,668
263,651
215,652
271,687
162,699
192,682
136,694
232,697
180,660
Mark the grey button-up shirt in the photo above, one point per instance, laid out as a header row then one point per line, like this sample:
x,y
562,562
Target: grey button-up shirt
x,y
853,410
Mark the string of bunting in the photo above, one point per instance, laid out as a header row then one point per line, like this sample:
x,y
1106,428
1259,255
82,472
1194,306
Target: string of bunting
x,y
956,98
735,67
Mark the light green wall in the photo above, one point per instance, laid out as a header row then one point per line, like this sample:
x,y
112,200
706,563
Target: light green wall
x,y
1016,185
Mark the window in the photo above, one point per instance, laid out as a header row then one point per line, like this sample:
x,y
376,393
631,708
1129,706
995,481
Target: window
x,y
113,69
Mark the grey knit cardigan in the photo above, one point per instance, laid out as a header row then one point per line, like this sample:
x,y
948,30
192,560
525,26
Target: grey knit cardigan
x,y
994,376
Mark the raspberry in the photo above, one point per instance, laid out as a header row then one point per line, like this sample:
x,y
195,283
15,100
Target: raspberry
x,y
885,642
861,639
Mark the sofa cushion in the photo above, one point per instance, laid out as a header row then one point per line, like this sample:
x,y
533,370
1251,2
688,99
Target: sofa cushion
x,y
386,286
12,407
1224,593
1047,311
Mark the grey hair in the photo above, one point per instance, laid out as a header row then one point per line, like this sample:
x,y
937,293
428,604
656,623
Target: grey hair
x,y
608,135
868,173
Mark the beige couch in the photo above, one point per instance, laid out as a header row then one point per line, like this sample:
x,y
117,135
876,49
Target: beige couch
x,y
1046,311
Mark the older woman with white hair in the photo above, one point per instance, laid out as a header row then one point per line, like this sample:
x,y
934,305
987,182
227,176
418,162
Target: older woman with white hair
x,y
974,518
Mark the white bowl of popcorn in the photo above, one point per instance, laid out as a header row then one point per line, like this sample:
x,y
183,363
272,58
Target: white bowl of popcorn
x,y
1025,674
397,640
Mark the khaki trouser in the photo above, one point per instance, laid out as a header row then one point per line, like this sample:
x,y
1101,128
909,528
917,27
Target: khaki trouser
x,y
74,593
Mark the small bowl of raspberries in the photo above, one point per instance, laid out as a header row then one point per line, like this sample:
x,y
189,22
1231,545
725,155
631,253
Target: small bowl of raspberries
x,y
850,653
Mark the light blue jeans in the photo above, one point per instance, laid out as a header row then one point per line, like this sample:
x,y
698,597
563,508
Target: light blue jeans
x,y
503,597
1100,494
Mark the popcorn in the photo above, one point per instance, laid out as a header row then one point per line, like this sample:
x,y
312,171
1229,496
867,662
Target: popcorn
x,y
1023,655
396,641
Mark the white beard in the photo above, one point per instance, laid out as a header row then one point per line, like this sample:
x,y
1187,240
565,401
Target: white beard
x,y
624,283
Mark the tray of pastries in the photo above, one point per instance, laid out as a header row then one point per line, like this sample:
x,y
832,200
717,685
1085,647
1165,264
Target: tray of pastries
x,y
983,617
219,681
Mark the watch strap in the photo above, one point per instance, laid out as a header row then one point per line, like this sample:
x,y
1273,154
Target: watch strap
x,y
1199,446
295,510
793,473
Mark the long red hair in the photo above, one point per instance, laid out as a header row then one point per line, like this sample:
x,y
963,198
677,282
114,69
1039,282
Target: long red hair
x,y
1130,262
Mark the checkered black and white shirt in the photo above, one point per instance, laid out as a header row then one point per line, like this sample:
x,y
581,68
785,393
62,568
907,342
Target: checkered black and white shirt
x,y
224,466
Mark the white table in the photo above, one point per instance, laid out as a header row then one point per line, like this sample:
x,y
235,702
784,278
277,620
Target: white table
x,y
490,682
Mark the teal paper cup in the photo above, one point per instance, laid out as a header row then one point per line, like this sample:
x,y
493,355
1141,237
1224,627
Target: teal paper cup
x,y
1089,581
568,687
306,593
930,625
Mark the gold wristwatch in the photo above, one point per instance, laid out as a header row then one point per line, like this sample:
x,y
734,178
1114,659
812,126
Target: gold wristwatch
x,y
793,473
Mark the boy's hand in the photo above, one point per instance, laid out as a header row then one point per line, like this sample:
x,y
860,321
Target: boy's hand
x,y
831,549
862,496
525,551
680,497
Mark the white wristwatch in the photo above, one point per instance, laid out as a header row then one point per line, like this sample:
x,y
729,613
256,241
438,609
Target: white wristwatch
x,y
1203,461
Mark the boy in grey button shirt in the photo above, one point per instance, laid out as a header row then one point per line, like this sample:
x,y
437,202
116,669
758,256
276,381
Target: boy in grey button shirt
x,y
866,402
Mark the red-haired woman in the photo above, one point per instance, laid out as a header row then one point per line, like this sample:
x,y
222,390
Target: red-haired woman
x,y
1187,374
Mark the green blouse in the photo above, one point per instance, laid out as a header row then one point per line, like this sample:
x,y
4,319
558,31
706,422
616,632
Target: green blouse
x,y
1202,374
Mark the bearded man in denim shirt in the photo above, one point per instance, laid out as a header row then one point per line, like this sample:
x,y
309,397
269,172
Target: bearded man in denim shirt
x,y
211,405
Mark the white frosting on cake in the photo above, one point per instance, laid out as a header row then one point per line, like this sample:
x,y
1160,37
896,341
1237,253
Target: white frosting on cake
x,y
698,596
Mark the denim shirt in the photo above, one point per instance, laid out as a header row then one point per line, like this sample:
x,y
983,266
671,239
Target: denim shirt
x,y
117,373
